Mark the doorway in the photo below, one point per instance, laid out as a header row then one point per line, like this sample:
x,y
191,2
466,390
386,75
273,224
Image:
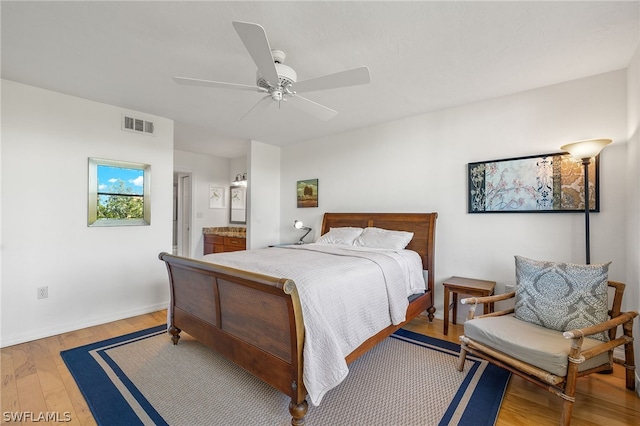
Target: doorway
x,y
182,214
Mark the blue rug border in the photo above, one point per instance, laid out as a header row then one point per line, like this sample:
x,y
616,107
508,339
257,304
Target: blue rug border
x,y
113,409
484,399
95,385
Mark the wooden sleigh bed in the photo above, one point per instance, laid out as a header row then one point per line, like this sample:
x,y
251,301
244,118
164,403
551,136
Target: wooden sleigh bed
x,y
256,320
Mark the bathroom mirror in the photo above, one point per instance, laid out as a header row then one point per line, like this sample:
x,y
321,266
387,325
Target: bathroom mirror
x,y
238,204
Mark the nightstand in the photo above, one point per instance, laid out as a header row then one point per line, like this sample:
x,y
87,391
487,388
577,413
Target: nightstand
x,y
468,286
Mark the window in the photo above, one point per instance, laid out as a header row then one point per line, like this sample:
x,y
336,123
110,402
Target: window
x,y
118,193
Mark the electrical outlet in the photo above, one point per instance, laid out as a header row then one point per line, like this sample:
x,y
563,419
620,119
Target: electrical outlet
x,y
508,288
43,292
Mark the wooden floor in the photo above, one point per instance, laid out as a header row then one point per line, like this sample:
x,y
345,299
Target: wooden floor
x,y
35,380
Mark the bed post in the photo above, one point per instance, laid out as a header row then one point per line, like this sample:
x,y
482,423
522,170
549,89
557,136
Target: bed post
x,y
298,411
431,254
175,333
173,330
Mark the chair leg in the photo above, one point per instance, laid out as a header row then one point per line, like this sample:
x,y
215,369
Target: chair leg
x,y
629,358
570,382
568,395
567,409
463,357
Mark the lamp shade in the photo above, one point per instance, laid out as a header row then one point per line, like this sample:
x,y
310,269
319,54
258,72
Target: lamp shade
x,y
589,148
299,225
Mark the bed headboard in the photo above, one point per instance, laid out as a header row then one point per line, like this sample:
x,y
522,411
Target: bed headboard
x,y
423,226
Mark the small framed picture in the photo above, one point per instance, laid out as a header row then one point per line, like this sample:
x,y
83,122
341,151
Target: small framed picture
x,y
216,197
307,193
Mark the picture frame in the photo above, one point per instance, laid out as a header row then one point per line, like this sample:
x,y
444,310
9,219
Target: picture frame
x,y
307,193
547,183
216,197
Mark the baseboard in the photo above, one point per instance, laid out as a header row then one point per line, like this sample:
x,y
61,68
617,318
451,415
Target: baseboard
x,y
618,353
66,328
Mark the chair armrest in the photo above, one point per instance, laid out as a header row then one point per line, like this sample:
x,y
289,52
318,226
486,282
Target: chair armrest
x,y
487,299
473,301
497,313
604,326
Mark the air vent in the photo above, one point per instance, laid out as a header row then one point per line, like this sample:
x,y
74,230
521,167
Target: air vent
x,y
133,124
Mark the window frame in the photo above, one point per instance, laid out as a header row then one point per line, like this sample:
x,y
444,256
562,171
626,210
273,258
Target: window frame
x,y
93,220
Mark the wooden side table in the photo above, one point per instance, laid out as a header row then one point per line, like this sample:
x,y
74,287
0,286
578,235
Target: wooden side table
x,y
468,286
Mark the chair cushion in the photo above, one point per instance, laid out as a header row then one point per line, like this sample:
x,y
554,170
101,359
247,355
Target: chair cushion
x,y
561,296
541,347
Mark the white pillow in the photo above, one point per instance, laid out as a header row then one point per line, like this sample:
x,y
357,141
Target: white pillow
x,y
383,238
345,235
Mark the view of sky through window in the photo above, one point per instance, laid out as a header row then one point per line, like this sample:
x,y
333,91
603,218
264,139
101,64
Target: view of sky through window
x,y
120,180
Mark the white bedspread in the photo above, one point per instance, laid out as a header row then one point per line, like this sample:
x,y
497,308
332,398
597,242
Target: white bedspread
x,y
347,295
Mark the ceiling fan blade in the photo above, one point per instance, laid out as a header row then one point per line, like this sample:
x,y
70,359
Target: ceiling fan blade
x,y
220,84
255,40
321,112
259,107
352,77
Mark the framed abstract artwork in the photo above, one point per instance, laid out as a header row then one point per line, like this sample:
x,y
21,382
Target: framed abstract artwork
x,y
548,183
307,193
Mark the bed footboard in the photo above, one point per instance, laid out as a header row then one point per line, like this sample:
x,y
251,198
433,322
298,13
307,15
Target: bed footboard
x,y
251,319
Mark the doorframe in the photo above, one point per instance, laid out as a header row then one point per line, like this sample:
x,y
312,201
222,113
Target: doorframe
x,y
184,208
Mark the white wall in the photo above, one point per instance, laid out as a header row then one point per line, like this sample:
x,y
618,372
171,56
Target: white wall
x,y
263,195
94,275
632,292
205,170
238,166
419,164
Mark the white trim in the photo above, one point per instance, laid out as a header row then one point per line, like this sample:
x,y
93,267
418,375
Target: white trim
x,y
68,327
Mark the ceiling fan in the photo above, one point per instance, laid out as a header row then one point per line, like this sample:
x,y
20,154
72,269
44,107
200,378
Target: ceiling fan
x,y
279,81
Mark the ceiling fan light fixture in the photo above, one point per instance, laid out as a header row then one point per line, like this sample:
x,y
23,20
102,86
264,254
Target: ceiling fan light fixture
x,y
277,95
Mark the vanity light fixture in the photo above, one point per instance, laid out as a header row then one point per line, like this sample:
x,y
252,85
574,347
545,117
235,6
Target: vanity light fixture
x,y
299,225
241,179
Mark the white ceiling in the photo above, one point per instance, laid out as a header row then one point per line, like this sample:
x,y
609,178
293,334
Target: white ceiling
x,y
423,56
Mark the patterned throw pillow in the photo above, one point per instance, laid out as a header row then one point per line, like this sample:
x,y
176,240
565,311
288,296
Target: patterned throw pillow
x,y
561,296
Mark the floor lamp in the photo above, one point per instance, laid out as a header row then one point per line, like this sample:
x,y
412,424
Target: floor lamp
x,y
584,151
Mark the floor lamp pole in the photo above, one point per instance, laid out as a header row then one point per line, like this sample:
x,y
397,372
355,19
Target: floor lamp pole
x,y
584,151
586,162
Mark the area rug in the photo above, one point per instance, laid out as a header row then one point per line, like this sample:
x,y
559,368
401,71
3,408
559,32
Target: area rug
x,y
408,379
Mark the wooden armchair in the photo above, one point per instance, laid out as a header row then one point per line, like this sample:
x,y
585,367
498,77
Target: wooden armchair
x,y
549,358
